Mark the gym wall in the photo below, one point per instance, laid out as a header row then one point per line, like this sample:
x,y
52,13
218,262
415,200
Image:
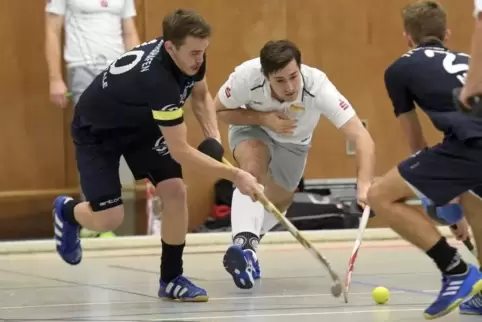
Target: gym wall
x,y
352,41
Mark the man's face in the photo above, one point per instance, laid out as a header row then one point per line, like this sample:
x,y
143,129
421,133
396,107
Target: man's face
x,y
189,57
286,83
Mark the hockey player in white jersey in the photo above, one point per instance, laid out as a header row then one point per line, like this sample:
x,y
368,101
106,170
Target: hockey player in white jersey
x,y
273,104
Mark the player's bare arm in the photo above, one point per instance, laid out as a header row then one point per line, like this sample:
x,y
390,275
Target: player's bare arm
x,y
203,107
355,132
239,115
276,121
473,85
53,54
129,33
343,116
411,128
232,106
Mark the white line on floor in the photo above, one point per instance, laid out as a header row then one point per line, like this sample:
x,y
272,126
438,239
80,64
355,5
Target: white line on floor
x,y
297,314
233,298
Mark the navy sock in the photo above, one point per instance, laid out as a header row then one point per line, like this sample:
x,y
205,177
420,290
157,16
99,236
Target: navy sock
x,y
68,212
447,258
171,261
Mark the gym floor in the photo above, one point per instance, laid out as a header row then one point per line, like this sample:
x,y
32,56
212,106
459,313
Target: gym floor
x,y
122,286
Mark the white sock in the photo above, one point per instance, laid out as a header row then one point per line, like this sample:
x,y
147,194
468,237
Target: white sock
x,y
269,222
246,215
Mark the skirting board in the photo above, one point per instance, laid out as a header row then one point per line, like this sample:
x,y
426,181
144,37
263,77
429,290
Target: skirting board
x,y
202,240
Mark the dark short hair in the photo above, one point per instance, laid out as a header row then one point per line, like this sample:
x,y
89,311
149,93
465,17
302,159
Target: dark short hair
x,y
276,54
425,20
181,23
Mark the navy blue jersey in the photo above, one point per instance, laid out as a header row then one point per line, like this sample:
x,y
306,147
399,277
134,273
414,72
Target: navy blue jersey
x,y
426,76
141,85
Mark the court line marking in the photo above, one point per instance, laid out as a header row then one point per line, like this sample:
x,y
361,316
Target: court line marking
x,y
256,316
275,247
78,283
232,298
224,280
398,289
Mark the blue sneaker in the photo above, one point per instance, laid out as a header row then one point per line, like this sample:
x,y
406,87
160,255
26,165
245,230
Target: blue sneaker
x,y
66,235
472,306
455,289
183,290
239,263
257,268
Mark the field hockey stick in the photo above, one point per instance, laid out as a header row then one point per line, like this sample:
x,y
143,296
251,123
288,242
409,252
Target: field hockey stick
x,y
356,248
467,242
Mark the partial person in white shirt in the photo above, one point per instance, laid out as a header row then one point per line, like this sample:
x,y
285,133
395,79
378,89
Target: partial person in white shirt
x,y
272,104
96,33
473,82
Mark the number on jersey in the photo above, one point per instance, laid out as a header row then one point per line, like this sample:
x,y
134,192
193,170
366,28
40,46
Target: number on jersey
x,y
138,54
459,70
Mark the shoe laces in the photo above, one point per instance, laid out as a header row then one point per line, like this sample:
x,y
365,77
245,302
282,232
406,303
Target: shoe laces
x,y
476,301
184,280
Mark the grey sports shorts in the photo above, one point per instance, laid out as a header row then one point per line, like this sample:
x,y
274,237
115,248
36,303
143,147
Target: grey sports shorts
x,y
80,77
288,160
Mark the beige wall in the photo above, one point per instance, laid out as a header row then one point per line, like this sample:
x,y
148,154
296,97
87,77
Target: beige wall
x,y
352,41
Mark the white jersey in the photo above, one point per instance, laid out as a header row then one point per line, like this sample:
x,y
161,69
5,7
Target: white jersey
x,y
93,29
477,6
247,87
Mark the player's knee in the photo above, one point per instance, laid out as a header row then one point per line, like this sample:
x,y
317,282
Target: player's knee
x,y
375,195
284,204
278,195
108,219
253,157
172,192
256,169
282,201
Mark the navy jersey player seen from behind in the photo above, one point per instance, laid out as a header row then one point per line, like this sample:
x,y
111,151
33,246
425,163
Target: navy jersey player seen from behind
x,y
135,109
425,76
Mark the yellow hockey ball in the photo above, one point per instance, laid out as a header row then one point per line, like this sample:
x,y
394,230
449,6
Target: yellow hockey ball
x,y
380,295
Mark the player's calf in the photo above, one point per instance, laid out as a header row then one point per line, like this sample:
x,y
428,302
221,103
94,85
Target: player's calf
x,y
107,220
172,284
69,215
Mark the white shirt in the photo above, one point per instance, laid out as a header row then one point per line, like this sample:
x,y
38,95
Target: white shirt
x,y
247,87
477,7
93,29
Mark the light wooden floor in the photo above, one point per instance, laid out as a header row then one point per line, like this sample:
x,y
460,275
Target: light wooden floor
x,y
119,286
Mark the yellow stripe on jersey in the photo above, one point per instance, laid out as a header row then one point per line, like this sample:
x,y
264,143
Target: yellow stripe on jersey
x,y
168,115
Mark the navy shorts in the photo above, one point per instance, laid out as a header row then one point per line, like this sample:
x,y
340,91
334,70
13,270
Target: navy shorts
x,y
98,154
446,170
